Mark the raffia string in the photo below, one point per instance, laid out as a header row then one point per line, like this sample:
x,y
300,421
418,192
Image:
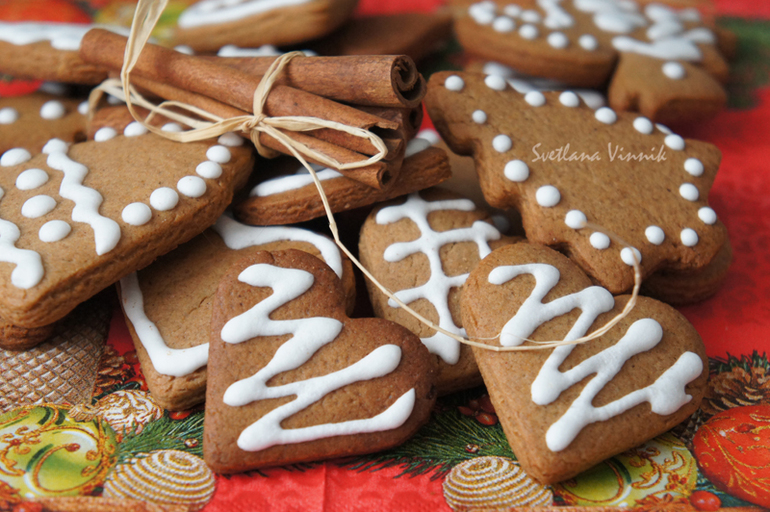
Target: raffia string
x,y
207,126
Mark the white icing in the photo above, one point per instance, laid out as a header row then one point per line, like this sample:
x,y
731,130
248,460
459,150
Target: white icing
x,y
575,219
479,116
674,70
676,48
104,134
529,31
52,110
134,129
558,40
588,42
230,139
666,395
693,166
436,289
689,237
606,115
535,98
62,36
29,265
83,108
191,186
569,99
418,144
599,241
8,115
555,16
38,206
665,129
503,24
213,12
502,143
512,10
547,196
136,214
219,154
495,82
530,16
675,142
689,191
14,156
164,199
54,230
454,83
31,179
516,170
183,48
655,235
86,199
629,256
230,50
643,125
172,127
707,215
209,169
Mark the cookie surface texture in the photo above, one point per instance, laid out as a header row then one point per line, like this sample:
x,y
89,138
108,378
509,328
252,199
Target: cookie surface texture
x,y
76,218
292,379
168,305
566,169
566,409
422,247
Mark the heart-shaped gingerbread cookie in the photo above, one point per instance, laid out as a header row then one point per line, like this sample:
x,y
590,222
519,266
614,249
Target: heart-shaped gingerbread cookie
x,y
293,379
566,409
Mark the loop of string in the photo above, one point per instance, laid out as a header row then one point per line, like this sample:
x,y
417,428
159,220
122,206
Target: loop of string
x,y
207,125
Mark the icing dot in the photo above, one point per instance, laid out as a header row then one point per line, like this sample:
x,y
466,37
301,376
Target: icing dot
x,y
528,31
83,108
535,98
230,139
689,191
496,82
693,166
191,186
114,100
707,215
104,134
516,170
183,48
136,214
31,178
482,13
52,110
569,99
689,237
599,241
547,196
8,115
502,143
454,83
575,219
164,199
14,156
53,231
665,129
558,40
218,154
479,116
628,256
503,24
172,127
588,42
530,16
643,125
654,235
674,70
512,10
208,169
606,115
38,206
55,146
675,142
134,129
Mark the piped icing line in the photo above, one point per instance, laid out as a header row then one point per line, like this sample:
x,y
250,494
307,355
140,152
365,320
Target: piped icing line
x,y
86,199
436,289
212,12
308,336
666,395
29,265
181,362
62,36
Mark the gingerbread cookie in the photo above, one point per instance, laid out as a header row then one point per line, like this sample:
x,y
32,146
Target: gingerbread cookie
x,y
168,304
422,247
337,386
659,61
562,165
566,409
30,121
76,218
208,25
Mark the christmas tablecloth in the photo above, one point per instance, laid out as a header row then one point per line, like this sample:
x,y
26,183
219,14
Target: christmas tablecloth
x,y
716,458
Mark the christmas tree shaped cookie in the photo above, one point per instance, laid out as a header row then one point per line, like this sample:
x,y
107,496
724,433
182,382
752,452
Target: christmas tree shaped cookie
x,y
562,165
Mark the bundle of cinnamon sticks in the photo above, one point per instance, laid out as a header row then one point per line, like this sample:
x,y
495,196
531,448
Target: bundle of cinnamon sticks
x,y
381,94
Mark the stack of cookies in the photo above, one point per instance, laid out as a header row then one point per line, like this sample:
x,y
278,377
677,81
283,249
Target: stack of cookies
x,y
234,297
